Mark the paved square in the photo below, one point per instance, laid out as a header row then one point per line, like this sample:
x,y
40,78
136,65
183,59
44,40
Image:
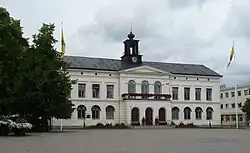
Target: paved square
x,y
131,141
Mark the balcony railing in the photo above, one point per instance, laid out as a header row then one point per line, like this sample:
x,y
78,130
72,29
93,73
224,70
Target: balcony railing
x,y
145,96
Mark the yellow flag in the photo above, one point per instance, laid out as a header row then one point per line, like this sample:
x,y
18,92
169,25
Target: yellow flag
x,y
231,56
63,45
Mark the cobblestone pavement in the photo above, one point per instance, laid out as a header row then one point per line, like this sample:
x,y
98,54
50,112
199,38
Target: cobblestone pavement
x,y
131,141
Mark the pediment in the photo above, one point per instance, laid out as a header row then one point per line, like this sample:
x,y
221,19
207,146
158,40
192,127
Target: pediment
x,y
144,70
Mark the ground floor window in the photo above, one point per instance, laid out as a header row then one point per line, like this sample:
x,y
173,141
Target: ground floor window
x,y
209,113
110,112
81,110
222,117
234,117
198,113
187,113
240,117
95,112
175,113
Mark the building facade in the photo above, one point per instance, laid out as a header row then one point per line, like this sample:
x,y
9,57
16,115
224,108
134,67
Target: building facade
x,y
228,107
127,90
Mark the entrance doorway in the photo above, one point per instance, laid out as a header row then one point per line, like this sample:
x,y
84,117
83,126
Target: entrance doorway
x,y
135,116
149,116
162,116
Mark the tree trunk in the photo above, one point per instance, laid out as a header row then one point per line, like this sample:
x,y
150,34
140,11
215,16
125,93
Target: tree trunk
x,y
50,124
45,125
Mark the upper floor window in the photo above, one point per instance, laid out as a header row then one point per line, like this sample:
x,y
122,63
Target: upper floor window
x,y
81,90
110,91
226,94
209,94
175,93
232,94
221,95
186,93
144,87
239,93
239,105
157,87
96,90
131,86
197,93
246,92
226,105
221,106
233,105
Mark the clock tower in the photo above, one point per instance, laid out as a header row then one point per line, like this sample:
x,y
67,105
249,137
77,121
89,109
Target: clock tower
x,y
131,50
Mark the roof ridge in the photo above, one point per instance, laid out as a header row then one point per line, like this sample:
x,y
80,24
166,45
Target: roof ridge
x,y
143,61
100,63
91,57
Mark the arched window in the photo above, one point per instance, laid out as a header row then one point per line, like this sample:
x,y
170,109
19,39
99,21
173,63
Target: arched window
x,y
95,112
187,113
198,113
157,87
144,87
209,113
135,116
131,86
162,114
81,112
175,113
110,112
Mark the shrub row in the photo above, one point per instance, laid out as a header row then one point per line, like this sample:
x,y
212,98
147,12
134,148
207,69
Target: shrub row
x,y
108,126
189,125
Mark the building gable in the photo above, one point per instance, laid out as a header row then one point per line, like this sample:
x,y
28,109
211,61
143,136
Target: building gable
x,y
144,70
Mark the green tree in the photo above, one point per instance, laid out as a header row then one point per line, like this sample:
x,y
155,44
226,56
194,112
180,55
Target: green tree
x,y
12,49
34,81
49,87
246,109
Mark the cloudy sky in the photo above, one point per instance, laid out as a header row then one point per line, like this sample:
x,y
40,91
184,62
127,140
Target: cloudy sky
x,y
183,31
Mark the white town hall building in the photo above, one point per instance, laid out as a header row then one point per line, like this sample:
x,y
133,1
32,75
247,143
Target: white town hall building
x,y
126,90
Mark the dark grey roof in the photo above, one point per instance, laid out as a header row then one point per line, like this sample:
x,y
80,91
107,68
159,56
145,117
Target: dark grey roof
x,y
77,62
238,87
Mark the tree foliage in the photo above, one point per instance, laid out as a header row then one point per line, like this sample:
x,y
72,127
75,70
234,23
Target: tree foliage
x,y
246,109
52,80
12,48
33,78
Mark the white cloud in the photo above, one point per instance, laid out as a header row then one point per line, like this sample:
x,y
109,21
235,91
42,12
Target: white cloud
x,y
188,31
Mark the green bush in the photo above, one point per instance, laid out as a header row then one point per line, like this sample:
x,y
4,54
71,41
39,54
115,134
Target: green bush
x,y
189,125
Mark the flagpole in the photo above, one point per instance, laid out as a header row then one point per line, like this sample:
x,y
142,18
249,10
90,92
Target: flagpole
x,y
61,121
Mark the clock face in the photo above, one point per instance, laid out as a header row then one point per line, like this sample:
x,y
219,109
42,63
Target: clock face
x,y
134,59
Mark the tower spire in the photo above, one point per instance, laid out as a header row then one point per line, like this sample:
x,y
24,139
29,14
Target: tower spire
x,y
131,27
131,35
